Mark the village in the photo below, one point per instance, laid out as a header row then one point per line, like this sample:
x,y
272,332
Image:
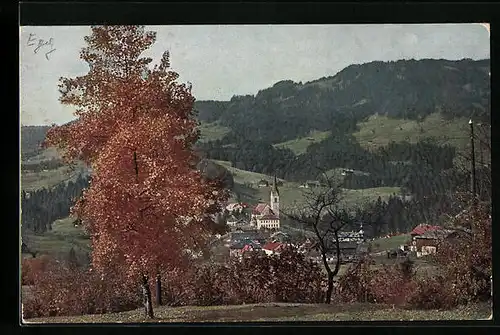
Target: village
x,y
259,229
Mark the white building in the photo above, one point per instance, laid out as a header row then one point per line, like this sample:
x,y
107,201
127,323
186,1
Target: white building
x,y
267,215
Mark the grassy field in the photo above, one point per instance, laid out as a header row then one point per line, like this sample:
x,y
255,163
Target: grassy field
x,y
383,244
299,145
379,130
276,312
63,236
212,131
45,155
360,197
31,181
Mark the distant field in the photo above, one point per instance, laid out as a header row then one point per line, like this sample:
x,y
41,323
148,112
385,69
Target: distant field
x,y
243,176
383,244
276,312
379,130
291,196
212,131
362,196
63,236
299,145
35,180
45,155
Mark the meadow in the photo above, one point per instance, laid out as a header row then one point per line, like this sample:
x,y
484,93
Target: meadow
x,y
278,312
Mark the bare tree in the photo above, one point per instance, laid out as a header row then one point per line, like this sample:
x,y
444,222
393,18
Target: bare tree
x,y
323,213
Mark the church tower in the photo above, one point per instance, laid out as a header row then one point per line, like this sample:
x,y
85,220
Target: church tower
x,y
275,198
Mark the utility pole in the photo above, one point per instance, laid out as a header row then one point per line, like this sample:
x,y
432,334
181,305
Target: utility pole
x,y
473,161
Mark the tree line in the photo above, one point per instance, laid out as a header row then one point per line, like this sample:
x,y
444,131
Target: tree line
x,y
41,207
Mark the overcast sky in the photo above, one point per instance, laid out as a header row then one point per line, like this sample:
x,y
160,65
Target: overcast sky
x,y
222,61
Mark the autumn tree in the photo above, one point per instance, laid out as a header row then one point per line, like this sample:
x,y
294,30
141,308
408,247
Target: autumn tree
x,y
146,204
323,213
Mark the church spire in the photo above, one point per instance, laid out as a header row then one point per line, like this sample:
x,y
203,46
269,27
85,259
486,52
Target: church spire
x,y
275,185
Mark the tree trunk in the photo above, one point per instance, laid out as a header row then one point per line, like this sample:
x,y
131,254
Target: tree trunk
x,y
146,295
158,290
329,290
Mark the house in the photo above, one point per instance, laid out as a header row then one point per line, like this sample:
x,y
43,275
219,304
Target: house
x,y
422,228
267,215
263,183
280,237
270,221
311,184
273,248
419,231
233,221
235,206
348,251
428,242
346,172
239,248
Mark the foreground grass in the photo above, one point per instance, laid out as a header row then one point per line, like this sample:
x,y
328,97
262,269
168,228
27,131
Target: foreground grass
x,y
278,312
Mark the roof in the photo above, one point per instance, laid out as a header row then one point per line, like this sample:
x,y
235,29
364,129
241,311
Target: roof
x,y
436,234
232,218
245,234
245,245
272,246
233,206
422,228
259,208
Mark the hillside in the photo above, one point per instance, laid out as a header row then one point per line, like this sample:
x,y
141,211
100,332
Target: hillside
x,y
397,126
406,89
31,138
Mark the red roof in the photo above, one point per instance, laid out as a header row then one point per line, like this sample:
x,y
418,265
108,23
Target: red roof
x,y
272,246
259,208
422,228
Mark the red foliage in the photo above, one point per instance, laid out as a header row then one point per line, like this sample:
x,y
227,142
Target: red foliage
x,y
431,293
256,279
467,260
146,202
60,290
33,267
388,285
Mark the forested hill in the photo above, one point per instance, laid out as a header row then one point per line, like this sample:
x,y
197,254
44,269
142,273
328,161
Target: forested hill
x,y
401,123
31,138
408,89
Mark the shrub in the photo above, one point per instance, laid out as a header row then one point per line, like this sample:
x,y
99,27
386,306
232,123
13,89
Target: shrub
x,y
466,260
60,290
256,279
431,293
31,267
389,285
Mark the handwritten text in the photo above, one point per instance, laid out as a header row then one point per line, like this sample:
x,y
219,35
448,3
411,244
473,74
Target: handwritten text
x,y
41,44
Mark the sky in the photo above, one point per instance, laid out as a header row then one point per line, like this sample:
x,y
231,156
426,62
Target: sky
x,y
225,60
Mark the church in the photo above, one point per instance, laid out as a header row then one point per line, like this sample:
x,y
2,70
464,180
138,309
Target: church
x,y
268,215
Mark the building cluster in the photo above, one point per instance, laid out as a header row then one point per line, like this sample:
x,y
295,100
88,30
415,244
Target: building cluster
x,y
263,215
259,231
425,239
